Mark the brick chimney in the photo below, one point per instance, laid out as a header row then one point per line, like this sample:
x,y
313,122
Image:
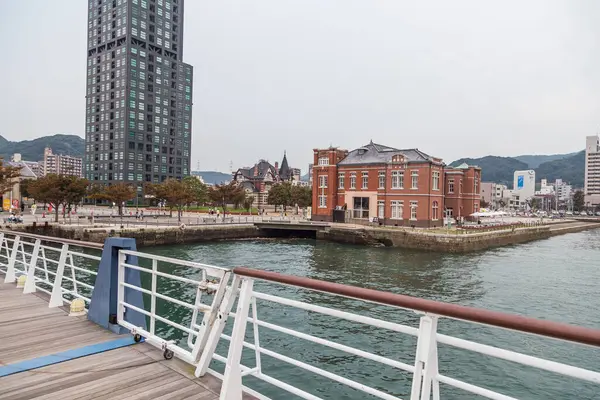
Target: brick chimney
x,y
256,170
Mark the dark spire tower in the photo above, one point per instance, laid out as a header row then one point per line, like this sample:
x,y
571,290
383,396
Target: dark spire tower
x,y
138,94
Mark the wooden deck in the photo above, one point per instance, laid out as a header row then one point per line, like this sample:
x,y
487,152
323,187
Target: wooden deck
x,y
30,329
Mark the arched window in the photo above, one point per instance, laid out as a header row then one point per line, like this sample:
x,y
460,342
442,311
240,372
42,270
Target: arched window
x,y
435,210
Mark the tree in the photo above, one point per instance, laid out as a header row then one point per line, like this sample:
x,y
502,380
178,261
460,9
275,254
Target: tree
x,y
301,196
8,175
96,192
224,194
248,201
198,190
177,194
578,200
281,194
502,203
118,194
58,190
483,203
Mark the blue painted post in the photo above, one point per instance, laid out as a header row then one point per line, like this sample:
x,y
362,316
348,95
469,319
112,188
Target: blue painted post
x,y
103,305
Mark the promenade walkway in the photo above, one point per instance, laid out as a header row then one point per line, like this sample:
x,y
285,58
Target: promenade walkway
x,y
83,360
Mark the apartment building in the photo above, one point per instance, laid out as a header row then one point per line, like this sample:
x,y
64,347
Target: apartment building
x,y
395,186
61,165
592,171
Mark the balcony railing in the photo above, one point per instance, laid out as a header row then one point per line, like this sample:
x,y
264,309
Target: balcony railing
x,y
208,295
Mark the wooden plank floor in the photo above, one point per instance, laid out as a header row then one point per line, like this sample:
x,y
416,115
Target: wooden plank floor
x,y
30,329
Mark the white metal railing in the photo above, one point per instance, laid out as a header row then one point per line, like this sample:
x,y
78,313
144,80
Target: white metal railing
x,y
188,305
59,271
205,282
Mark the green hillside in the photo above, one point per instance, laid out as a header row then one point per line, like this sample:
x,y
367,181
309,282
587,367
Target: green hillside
x,y
534,160
495,169
33,150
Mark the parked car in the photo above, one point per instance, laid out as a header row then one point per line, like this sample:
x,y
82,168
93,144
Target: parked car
x,y
590,214
598,213
576,213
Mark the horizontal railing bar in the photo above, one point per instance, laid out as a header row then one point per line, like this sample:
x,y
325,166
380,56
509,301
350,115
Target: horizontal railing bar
x,y
139,289
159,318
87,271
91,257
467,387
75,294
43,290
319,371
163,274
79,243
392,326
219,270
246,389
266,378
534,326
337,346
523,359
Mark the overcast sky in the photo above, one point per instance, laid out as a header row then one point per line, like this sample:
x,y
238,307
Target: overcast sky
x,y
453,78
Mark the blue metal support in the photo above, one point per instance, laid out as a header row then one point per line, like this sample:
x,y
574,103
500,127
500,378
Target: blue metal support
x,y
103,305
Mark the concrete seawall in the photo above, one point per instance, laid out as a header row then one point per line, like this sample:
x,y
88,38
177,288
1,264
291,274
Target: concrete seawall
x,y
150,236
417,239
448,243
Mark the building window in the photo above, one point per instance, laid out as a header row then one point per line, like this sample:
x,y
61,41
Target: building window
x,y
397,179
340,181
451,185
475,207
414,177
475,184
365,180
322,201
322,181
435,210
381,179
436,181
380,209
323,160
397,209
413,210
353,180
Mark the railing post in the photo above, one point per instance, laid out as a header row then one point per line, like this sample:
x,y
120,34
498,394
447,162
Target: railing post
x,y
216,329
10,276
426,362
231,388
56,299
30,282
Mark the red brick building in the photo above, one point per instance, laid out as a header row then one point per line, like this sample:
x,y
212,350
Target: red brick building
x,y
398,187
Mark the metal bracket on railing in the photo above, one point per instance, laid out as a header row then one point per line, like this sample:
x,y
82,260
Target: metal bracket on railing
x,y
205,286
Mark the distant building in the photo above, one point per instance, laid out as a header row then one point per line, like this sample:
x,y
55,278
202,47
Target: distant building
x,y
545,189
61,165
258,180
29,170
524,184
310,174
396,186
592,171
564,191
493,194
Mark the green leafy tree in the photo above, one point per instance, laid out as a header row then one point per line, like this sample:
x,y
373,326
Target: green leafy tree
x,y
281,195
224,194
58,190
301,196
178,194
119,194
248,201
578,200
8,176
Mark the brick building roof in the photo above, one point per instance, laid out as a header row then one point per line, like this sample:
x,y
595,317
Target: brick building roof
x,y
374,153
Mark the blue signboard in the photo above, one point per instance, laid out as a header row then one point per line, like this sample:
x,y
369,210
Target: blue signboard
x,y
520,181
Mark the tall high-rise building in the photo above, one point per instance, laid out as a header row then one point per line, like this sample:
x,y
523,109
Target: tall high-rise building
x,y
60,165
139,93
592,171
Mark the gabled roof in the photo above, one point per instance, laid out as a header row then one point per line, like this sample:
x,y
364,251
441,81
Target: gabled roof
x,y
27,170
374,153
264,167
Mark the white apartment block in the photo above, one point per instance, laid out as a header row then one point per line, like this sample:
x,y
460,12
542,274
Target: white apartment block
x,y
592,171
61,165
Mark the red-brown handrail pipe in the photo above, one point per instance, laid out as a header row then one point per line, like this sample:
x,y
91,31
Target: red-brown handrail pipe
x,y
534,326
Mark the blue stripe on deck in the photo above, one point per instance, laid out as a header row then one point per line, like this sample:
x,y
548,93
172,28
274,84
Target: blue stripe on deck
x,y
65,356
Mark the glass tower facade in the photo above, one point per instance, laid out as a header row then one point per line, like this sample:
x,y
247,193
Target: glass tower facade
x,y
138,93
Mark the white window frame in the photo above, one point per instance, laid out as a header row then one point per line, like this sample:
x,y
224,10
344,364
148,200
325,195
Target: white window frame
x,y
451,185
380,209
364,181
352,180
397,209
413,210
397,179
341,180
323,160
381,177
435,180
435,211
322,201
414,180
323,181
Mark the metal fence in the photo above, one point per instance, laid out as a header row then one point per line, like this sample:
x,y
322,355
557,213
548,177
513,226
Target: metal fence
x,y
208,294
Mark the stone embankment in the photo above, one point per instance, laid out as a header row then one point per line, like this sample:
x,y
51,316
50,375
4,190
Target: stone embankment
x,y
450,242
149,236
407,238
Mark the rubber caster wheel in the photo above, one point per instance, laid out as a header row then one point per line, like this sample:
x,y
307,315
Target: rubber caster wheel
x,y
168,354
137,338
